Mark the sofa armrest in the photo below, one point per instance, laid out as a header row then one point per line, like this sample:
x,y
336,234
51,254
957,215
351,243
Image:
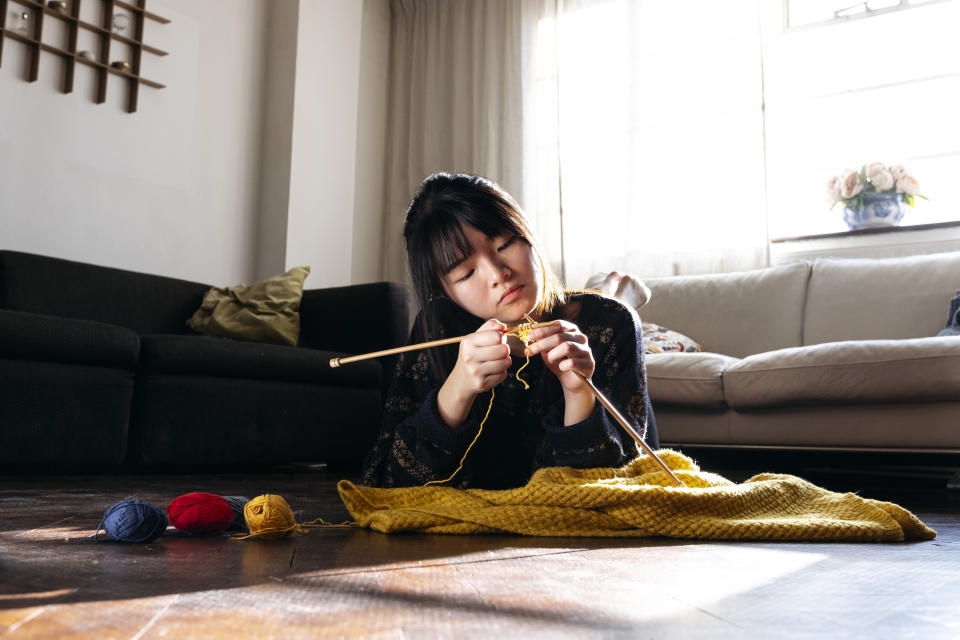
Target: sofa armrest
x,y
357,318
34,337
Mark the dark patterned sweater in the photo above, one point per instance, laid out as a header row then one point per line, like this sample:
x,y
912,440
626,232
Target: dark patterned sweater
x,y
524,431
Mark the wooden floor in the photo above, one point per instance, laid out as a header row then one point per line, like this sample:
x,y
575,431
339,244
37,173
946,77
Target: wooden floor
x,y
55,582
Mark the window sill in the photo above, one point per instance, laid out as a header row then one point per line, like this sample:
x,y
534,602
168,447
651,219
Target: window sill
x,y
871,231
878,242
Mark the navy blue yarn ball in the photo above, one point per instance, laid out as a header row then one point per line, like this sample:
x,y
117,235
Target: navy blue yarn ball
x,y
237,503
134,521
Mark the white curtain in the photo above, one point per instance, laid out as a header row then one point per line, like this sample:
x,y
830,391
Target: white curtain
x,y
455,102
630,131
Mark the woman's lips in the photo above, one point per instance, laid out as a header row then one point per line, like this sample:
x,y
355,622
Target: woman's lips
x,y
511,294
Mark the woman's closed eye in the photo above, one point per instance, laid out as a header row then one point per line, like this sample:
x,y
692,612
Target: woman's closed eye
x,y
507,243
465,276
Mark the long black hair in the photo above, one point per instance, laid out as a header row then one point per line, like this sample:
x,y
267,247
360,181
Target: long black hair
x,y
435,241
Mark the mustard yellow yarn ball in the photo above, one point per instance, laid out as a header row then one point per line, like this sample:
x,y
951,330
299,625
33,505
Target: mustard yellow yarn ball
x,y
269,516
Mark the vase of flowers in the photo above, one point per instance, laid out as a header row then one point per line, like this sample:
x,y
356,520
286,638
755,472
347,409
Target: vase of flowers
x,y
875,196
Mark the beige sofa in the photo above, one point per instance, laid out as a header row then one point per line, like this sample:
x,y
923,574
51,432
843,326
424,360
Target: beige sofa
x,y
829,354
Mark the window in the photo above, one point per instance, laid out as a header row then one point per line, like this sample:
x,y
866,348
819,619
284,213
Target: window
x,y
652,123
806,12
685,135
840,91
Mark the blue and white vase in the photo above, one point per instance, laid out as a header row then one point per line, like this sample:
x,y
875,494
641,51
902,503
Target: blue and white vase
x,y
879,210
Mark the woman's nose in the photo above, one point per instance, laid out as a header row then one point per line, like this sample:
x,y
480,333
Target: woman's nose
x,y
497,270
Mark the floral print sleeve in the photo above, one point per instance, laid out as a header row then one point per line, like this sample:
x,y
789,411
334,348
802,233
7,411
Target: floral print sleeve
x,y
524,431
615,337
415,445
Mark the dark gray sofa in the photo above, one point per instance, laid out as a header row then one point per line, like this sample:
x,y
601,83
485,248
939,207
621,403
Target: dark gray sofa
x,y
98,369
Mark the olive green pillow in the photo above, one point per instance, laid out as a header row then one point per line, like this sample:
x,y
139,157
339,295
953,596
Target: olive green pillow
x,y
267,311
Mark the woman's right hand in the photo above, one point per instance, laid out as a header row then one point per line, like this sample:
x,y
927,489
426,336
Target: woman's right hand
x,y
481,365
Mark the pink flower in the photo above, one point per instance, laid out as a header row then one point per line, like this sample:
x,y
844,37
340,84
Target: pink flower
x,y
880,176
898,171
908,184
833,190
850,183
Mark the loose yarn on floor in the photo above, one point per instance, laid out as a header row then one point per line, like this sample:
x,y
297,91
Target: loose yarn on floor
x,y
200,512
133,521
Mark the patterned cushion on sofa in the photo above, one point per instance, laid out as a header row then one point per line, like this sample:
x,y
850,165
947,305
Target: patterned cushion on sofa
x,y
657,339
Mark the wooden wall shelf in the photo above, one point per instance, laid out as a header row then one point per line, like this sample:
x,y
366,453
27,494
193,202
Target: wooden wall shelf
x,y
37,11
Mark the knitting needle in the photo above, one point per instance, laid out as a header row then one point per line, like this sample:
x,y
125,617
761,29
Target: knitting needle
x,y
336,362
626,427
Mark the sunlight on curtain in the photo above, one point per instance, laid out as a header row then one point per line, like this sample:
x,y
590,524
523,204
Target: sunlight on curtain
x,y
455,103
654,111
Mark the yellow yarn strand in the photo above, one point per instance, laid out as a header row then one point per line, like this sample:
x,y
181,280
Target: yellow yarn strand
x,y
320,522
521,331
475,438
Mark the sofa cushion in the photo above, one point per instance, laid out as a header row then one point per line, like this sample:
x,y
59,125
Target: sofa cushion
x,y
265,311
733,313
914,370
38,337
206,356
357,318
693,379
879,299
657,339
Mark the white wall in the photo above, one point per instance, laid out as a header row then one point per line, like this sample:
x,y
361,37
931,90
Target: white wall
x,y
171,189
369,192
280,58
323,160
186,187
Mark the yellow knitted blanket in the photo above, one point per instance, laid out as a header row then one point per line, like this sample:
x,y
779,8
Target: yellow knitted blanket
x,y
638,500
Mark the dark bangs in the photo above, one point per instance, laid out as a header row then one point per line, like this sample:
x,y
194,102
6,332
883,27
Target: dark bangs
x,y
439,241
448,242
436,241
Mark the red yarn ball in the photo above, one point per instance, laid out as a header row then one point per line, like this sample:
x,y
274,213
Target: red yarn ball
x,y
200,513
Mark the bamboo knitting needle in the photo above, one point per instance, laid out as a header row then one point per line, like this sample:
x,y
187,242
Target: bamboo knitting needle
x,y
626,427
526,328
336,362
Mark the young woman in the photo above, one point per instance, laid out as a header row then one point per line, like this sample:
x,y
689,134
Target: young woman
x,y
477,270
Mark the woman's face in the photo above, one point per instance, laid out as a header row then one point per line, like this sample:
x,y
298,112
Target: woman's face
x,y
501,279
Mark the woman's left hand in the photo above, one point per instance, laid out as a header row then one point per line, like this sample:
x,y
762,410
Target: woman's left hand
x,y
565,351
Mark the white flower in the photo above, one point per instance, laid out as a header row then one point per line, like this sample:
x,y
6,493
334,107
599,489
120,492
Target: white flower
x,y
833,190
880,176
850,183
908,184
898,171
